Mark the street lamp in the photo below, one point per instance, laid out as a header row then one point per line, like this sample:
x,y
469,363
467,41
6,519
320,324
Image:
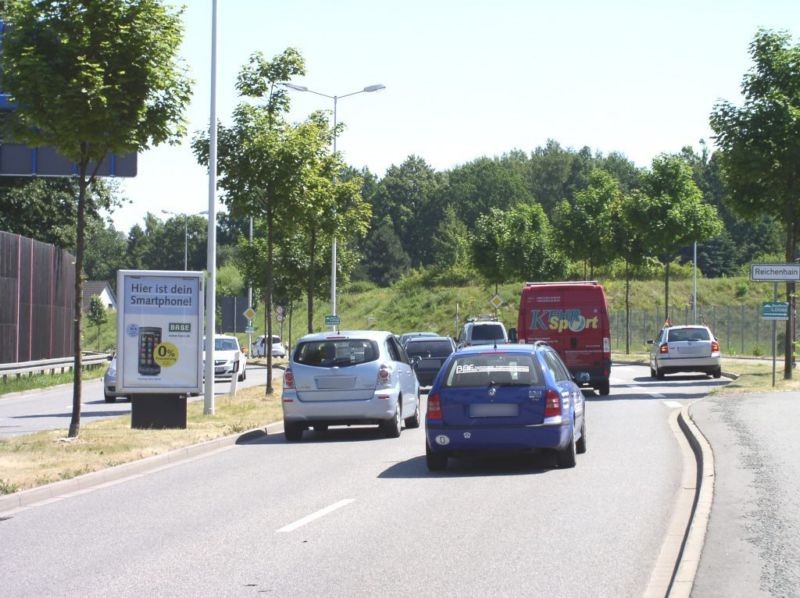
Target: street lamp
x,y
185,233
367,89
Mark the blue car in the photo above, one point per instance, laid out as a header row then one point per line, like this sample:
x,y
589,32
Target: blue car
x,y
509,398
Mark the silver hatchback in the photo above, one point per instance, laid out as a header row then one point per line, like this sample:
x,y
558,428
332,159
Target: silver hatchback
x,y
685,349
349,378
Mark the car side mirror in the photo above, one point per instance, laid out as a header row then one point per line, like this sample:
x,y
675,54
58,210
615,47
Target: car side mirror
x,y
512,335
415,361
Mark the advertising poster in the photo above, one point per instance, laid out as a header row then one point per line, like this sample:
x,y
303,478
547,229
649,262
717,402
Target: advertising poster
x,y
160,331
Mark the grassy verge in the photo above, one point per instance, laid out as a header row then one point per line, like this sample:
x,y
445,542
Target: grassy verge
x,y
37,459
34,381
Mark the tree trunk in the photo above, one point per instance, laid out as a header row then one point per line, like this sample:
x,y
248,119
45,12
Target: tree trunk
x,y
268,298
788,352
77,367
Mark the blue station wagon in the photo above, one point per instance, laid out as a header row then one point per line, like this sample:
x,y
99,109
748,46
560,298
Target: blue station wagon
x,y
510,398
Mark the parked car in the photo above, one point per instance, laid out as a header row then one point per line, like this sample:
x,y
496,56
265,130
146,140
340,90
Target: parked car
x,y
226,363
514,398
685,349
484,330
427,354
404,338
110,382
349,378
258,348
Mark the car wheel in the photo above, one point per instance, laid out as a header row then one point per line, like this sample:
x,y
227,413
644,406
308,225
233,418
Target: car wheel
x,y
292,431
391,427
580,446
659,374
652,372
565,458
604,388
243,375
435,461
413,421
718,373
110,399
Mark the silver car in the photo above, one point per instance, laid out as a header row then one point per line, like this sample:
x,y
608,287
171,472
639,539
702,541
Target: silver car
x,y
349,378
110,382
685,349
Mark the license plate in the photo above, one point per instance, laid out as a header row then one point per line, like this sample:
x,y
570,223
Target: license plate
x,y
494,410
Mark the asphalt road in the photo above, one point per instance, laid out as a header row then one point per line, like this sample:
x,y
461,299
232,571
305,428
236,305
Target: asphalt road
x,y
51,408
350,513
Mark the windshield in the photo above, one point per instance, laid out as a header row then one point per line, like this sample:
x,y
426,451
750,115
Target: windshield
x,y
225,344
338,353
487,332
688,334
499,369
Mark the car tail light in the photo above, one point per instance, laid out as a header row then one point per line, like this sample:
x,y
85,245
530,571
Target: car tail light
x,y
434,407
384,375
552,403
715,346
664,348
288,379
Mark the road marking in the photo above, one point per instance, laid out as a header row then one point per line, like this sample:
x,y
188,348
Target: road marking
x,y
321,513
673,404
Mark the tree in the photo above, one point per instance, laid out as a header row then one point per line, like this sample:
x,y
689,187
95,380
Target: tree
x,y
384,255
759,145
97,315
90,79
672,213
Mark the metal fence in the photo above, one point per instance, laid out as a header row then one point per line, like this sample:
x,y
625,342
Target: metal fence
x,y
740,329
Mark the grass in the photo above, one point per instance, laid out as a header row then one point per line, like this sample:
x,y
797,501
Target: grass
x,y
23,383
45,457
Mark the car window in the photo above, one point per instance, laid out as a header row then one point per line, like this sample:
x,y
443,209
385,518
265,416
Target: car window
x,y
560,373
340,353
441,348
501,369
488,332
275,339
396,352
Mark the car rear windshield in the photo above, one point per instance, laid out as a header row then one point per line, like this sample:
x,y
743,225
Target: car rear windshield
x,y
689,334
341,353
499,369
487,332
429,348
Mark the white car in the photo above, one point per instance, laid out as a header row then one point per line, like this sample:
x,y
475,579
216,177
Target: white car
x,y
278,350
226,363
349,378
685,349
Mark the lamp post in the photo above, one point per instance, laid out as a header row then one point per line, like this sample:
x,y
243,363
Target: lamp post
x,y
185,233
367,89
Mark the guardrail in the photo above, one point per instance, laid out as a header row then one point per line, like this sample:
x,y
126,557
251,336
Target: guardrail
x,y
50,366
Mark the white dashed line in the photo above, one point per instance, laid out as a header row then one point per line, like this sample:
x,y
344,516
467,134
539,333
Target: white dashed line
x,y
673,404
321,513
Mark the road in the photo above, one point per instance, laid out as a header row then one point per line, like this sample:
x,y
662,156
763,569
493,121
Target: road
x,y
51,408
351,513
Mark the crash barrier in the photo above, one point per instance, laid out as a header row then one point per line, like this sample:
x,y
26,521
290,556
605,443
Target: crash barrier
x,y
50,366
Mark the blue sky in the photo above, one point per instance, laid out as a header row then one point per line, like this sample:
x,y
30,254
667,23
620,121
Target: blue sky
x,y
468,78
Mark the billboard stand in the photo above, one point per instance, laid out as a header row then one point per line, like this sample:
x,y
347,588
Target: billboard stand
x,y
158,412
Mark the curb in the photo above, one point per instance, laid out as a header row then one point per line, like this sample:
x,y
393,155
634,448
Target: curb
x,y
57,490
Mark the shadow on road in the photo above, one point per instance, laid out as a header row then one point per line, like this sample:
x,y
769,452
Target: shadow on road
x,y
538,462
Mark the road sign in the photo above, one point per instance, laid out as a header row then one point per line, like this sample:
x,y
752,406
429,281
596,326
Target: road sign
x,y
249,313
279,310
331,320
249,329
496,301
775,272
775,310
279,317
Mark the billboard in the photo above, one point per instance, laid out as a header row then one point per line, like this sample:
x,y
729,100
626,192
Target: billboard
x,y
160,332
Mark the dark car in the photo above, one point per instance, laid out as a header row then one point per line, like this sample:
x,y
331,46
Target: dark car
x,y
513,398
427,354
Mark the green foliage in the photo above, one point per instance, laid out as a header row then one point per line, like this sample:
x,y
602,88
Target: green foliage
x,y
386,260
97,316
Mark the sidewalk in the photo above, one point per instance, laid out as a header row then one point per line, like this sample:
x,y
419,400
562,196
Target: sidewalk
x,y
752,545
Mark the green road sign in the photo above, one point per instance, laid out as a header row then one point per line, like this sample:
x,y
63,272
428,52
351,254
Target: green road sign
x,y
331,320
775,310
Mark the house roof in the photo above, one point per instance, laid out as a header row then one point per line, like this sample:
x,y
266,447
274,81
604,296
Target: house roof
x,y
96,287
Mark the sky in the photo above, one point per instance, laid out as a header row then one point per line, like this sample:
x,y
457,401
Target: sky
x,y
469,78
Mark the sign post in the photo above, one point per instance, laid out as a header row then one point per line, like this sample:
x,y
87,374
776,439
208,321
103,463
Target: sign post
x,y
776,273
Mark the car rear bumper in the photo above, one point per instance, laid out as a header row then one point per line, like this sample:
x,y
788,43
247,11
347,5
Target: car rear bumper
x,y
688,364
465,440
370,411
